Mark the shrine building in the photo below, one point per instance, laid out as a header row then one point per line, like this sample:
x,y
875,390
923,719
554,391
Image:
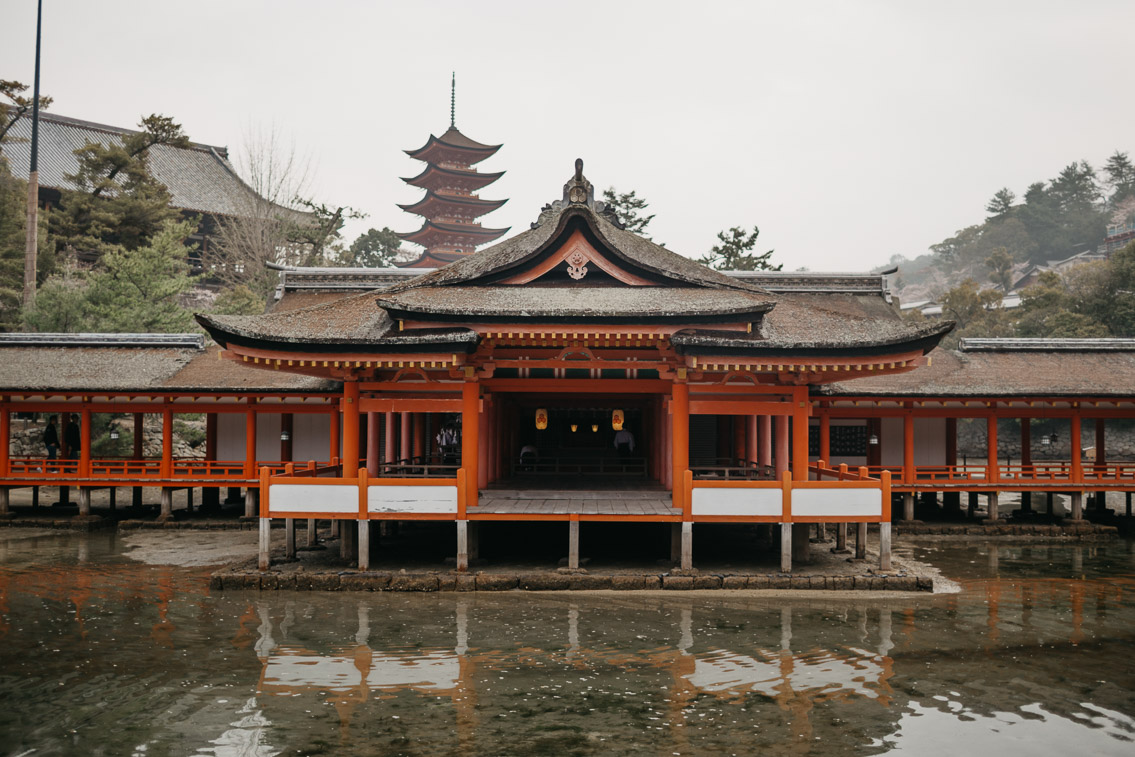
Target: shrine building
x,y
577,372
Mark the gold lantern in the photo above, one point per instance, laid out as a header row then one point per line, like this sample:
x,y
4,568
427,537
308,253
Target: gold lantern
x,y
574,427
617,420
541,418
594,427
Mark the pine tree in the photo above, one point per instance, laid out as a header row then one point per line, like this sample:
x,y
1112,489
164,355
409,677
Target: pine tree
x,y
734,253
1001,203
376,249
629,208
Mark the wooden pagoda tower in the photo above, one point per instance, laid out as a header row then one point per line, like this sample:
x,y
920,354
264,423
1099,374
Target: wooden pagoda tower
x,y
451,207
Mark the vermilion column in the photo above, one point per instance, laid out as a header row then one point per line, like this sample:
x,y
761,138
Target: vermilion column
x,y
752,455
287,426
782,453
1077,454
485,454
249,442
350,429
167,443
991,437
390,453
404,450
764,432
470,433
419,434
85,442
680,420
908,446
333,434
372,444
5,444
800,436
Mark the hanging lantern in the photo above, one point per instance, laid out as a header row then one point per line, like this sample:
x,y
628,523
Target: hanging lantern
x,y
285,436
594,427
541,418
574,427
617,420
113,433
873,440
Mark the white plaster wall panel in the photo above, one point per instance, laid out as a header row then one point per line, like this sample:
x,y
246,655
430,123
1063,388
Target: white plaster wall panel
x,y
311,437
929,441
836,502
891,441
230,436
739,501
267,436
412,499
313,498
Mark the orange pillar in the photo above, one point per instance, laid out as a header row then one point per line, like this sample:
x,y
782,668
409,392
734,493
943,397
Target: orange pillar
x,y
5,440
85,442
350,429
991,438
372,444
250,442
485,450
826,438
390,455
680,421
751,439
404,450
781,433
740,438
764,432
470,433
1077,449
167,443
908,446
419,434
287,426
211,436
1101,441
800,409
333,440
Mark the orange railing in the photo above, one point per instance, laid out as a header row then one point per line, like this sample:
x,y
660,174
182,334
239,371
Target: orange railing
x,y
131,471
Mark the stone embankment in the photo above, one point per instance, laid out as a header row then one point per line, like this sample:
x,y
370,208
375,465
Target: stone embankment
x,y
253,580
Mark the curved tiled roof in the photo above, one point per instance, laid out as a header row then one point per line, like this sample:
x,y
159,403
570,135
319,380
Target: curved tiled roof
x,y
199,177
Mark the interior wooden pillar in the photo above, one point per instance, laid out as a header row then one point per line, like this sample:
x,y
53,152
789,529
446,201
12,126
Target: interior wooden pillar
x,y
389,454
740,438
287,426
5,441
484,429
250,442
680,454
1101,442
764,432
333,435
419,434
908,445
374,428
167,442
752,455
139,433
951,441
780,458
85,442
404,441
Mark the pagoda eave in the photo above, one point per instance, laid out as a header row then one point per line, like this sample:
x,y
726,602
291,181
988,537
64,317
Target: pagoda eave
x,y
434,177
434,205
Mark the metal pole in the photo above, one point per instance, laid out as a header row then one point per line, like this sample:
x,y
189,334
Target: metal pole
x,y
33,180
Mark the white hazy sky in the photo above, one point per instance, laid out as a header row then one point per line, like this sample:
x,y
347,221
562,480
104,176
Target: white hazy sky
x,y
848,131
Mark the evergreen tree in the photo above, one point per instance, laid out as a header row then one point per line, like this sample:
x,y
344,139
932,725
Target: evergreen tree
x,y
13,237
17,104
1120,177
1000,268
238,300
1001,204
117,202
62,303
629,208
375,249
734,253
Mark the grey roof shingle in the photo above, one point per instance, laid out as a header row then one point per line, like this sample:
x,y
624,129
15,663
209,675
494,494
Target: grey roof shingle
x,y
199,178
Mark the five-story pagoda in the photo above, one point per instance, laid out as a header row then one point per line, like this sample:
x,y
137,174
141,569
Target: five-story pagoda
x,y
451,207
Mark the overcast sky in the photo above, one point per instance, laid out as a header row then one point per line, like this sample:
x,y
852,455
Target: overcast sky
x,y
848,131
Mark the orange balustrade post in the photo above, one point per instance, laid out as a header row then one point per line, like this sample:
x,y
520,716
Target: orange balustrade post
x,y
680,461
470,435
350,428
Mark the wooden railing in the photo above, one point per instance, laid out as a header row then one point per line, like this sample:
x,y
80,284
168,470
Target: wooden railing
x,y
730,469
592,466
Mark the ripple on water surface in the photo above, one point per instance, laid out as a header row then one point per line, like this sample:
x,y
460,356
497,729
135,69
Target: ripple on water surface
x,y
104,648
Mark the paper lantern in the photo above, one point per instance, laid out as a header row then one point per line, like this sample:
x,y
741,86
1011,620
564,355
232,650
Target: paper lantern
x,y
541,418
617,420
574,427
594,427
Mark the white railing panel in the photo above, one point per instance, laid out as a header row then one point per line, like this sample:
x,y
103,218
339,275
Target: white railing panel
x,y
412,499
835,502
737,501
313,498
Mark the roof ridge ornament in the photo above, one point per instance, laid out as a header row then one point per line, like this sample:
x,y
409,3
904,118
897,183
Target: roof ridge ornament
x,y
578,191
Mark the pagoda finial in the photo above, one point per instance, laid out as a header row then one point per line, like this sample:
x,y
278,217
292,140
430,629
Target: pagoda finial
x,y
453,99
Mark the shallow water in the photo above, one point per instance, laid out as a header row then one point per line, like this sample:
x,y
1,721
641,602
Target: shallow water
x,y
103,654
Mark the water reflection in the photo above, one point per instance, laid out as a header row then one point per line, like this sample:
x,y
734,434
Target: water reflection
x,y
1030,655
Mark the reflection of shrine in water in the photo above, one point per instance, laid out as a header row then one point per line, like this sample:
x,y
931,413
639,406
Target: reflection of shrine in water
x,y
678,682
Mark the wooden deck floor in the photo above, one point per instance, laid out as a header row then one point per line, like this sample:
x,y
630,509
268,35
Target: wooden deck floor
x,y
582,502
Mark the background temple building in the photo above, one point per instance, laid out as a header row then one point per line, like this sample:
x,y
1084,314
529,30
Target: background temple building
x,y
451,206
200,179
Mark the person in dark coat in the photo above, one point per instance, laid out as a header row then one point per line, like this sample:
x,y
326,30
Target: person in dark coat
x,y
72,441
51,439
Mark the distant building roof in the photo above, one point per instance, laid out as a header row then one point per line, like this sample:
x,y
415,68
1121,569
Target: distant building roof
x,y
199,177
